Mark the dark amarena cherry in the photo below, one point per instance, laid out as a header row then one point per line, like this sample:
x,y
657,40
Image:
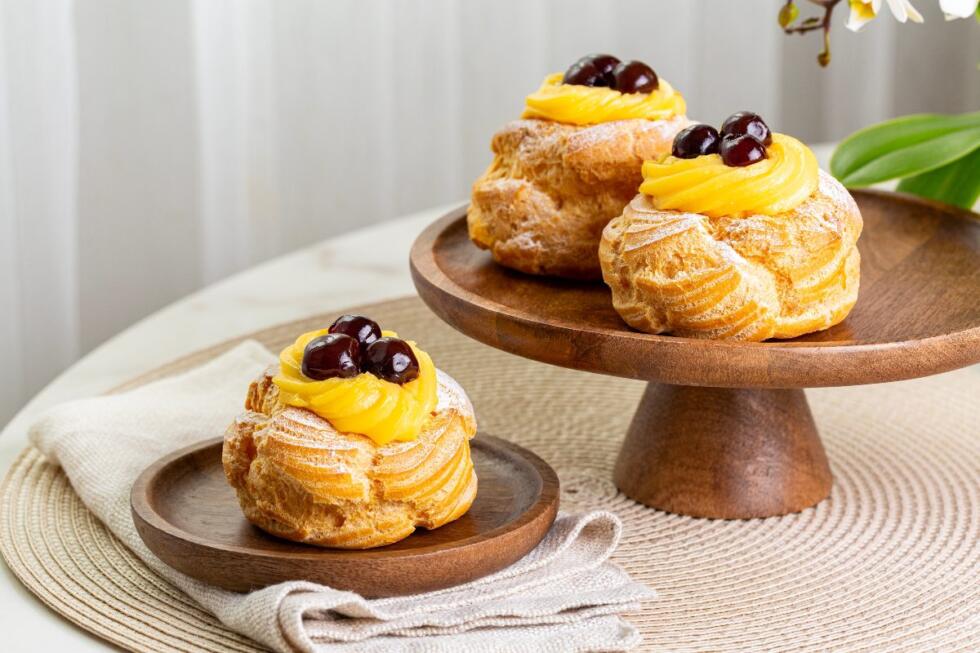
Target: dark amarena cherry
x,y
605,64
738,151
332,355
591,70
635,77
746,122
582,74
363,329
391,359
695,141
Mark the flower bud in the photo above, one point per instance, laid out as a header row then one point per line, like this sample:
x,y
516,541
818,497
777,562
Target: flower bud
x,y
788,14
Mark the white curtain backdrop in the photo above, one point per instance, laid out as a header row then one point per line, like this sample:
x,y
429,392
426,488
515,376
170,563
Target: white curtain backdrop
x,y
150,147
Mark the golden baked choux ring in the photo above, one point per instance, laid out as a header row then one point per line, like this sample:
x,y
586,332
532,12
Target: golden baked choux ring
x,y
711,250
298,476
570,165
542,204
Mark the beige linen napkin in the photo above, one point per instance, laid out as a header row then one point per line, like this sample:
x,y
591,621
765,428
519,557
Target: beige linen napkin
x,y
563,596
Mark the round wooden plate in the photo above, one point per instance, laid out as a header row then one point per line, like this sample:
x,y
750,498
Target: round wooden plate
x,y
722,430
918,312
188,515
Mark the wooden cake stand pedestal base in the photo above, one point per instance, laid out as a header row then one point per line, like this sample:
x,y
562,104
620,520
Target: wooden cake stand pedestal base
x,y
724,429
729,453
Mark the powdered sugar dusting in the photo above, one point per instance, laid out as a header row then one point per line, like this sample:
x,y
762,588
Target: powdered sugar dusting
x,y
592,135
651,231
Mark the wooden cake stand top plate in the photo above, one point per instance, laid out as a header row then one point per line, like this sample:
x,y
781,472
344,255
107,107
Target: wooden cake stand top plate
x,y
189,516
918,312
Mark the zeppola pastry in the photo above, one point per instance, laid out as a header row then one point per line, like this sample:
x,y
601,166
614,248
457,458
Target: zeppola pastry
x,y
571,164
735,235
353,442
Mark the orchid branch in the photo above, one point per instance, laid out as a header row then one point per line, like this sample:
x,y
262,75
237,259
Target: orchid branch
x,y
789,13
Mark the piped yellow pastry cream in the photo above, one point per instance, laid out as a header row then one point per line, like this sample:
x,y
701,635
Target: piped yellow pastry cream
x,y
366,404
705,184
588,105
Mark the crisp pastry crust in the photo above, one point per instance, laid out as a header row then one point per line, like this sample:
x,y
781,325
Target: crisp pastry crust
x,y
542,204
748,278
299,478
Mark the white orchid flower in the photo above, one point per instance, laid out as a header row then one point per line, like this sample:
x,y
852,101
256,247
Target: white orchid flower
x,y
958,8
903,11
864,11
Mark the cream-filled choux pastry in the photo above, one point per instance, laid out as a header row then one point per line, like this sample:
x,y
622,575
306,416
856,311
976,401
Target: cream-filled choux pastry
x,y
735,235
353,441
571,163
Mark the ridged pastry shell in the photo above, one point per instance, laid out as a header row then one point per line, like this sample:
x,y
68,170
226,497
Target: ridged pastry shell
x,y
299,478
746,278
541,205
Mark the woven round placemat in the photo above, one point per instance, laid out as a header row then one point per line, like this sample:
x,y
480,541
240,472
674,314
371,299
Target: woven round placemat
x,y
891,562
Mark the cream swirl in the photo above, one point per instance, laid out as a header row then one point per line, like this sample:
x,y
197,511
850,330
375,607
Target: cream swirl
x,y
705,185
589,105
381,410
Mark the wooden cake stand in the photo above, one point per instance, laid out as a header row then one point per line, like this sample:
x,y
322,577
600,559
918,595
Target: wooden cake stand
x,y
724,429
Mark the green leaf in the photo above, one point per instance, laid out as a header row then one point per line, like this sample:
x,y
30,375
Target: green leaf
x,y
956,183
916,159
866,144
904,146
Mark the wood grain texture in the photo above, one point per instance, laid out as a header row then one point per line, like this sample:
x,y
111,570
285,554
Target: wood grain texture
x,y
722,431
726,453
188,515
918,312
